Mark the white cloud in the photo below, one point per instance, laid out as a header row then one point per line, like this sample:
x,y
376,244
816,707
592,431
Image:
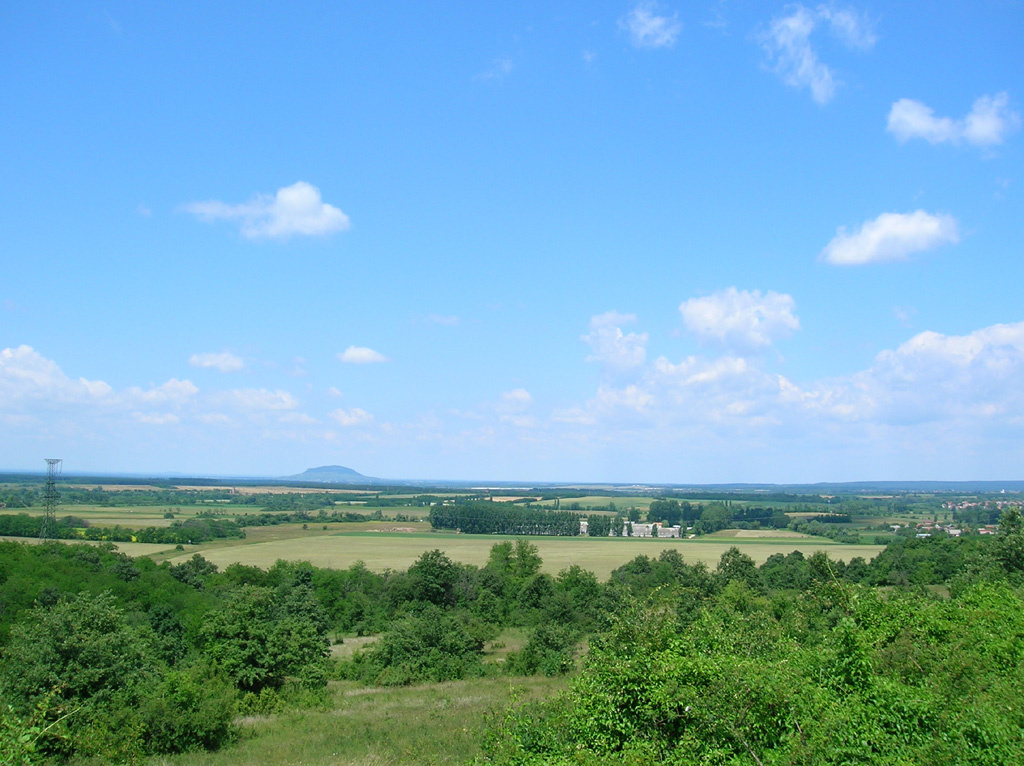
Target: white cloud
x,y
790,53
334,391
361,355
631,397
696,371
955,378
649,30
891,237
224,361
293,210
352,417
260,399
965,383
987,124
174,391
739,319
27,375
610,345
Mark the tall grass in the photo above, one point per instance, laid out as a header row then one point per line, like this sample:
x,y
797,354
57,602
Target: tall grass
x,y
430,724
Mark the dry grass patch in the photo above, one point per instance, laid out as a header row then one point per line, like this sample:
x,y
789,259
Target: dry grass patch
x,y
348,646
760,534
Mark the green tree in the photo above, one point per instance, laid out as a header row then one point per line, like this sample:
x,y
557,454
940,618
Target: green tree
x,y
1009,550
88,666
736,565
262,636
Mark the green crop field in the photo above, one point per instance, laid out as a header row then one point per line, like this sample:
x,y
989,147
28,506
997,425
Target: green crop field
x,y
382,550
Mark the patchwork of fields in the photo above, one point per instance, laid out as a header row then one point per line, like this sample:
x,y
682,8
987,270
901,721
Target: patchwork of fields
x,y
381,550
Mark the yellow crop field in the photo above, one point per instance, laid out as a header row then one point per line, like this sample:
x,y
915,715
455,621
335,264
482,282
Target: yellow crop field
x,y
397,550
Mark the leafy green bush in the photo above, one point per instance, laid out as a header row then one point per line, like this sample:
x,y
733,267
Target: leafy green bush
x,y
549,650
857,676
190,709
430,646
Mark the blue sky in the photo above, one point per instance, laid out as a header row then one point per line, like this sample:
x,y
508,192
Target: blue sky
x,y
606,241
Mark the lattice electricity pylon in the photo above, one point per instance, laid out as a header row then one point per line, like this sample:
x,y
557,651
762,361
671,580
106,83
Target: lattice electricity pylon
x,y
48,530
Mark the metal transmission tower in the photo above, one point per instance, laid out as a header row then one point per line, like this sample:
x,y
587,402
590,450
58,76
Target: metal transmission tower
x,y
48,530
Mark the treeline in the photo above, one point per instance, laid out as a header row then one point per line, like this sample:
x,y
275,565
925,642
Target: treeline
x,y
300,517
714,516
832,531
486,518
189,531
322,516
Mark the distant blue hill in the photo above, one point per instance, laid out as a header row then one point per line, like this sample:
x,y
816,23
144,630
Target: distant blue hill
x,y
333,474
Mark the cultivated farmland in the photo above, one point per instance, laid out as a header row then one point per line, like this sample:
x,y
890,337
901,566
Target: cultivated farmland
x,y
385,549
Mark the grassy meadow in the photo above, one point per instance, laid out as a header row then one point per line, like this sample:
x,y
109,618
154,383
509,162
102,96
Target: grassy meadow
x,y
428,724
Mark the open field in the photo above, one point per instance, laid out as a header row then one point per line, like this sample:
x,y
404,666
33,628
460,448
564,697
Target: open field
x,y
430,724
397,550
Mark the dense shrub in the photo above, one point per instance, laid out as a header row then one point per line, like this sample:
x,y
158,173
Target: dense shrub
x,y
430,646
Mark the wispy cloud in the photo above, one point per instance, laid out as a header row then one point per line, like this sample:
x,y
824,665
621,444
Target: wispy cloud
x,y
516,400
174,391
259,399
647,29
446,320
361,355
987,124
353,417
890,237
787,44
223,361
499,69
156,419
294,210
